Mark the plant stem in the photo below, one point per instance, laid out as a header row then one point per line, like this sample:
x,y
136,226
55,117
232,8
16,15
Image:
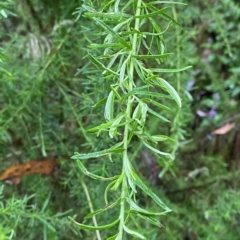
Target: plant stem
x,y
121,217
91,208
127,126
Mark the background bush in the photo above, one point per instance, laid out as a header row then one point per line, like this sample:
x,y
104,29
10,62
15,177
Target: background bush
x,y
48,88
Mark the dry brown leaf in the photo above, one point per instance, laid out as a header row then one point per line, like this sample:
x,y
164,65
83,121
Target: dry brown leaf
x,y
13,174
224,129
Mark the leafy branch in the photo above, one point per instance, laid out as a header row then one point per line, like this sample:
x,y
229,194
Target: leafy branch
x,y
135,93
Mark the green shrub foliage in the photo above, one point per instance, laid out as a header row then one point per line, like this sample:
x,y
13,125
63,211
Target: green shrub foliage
x,y
126,95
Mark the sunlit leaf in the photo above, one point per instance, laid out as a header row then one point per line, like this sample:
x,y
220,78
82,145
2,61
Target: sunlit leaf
x,y
160,56
97,154
161,70
109,107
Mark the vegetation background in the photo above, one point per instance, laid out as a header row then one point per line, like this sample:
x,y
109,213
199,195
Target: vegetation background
x,y
49,88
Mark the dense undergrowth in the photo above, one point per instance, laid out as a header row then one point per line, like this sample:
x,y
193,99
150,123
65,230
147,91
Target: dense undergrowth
x,y
54,89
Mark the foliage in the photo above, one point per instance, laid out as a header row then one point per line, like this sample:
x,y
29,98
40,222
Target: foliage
x,y
129,101
74,70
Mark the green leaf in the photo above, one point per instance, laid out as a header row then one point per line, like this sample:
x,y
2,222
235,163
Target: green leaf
x,y
88,227
144,109
155,80
157,104
108,29
116,93
161,70
5,71
134,208
105,45
158,115
138,91
157,151
108,15
128,173
90,215
134,126
116,123
109,186
155,13
150,219
109,107
156,199
101,102
101,127
169,18
160,138
131,232
46,223
3,13
122,74
94,176
160,2
136,113
159,56
97,154
114,237
113,58
45,203
153,94
134,91
99,64
118,182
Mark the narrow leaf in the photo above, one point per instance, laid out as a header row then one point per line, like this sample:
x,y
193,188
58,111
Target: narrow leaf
x,y
113,237
155,80
88,227
153,13
160,138
109,107
113,129
168,2
101,102
99,64
159,56
5,71
97,154
151,220
161,70
135,208
156,150
131,232
134,91
156,199
157,104
158,115
108,29
90,215
94,176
